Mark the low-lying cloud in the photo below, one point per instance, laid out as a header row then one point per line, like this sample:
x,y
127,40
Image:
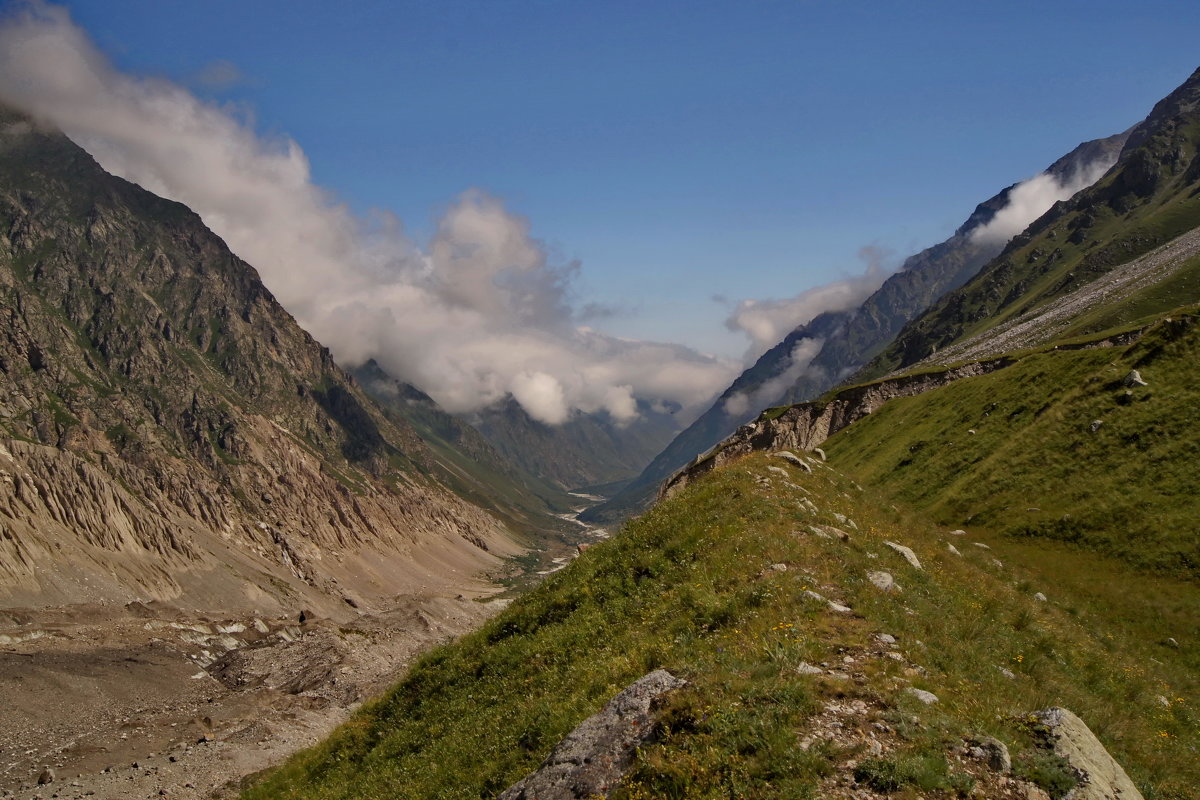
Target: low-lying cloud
x,y
740,404
767,322
476,314
1029,199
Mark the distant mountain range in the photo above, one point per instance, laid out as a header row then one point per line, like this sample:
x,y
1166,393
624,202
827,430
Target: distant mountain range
x,y
589,452
844,341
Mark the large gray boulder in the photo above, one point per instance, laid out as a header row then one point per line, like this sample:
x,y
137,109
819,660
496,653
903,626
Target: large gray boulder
x,y
1100,776
883,581
1134,378
591,760
907,552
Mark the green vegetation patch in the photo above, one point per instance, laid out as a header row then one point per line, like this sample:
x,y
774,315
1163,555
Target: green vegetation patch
x,y
926,771
1055,447
714,585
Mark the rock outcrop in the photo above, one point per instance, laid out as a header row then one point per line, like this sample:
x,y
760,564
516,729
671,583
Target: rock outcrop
x,y
806,425
1100,776
592,759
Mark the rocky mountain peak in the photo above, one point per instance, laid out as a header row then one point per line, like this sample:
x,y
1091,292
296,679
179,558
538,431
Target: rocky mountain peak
x,y
176,404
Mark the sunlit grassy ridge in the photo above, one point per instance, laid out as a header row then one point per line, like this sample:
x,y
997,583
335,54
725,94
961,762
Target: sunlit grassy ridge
x,y
1055,446
690,587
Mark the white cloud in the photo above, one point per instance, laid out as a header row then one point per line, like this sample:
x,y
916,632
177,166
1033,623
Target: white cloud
x,y
767,322
542,396
478,313
1029,199
742,403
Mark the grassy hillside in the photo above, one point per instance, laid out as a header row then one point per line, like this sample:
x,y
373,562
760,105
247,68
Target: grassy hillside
x,y
711,585
1019,452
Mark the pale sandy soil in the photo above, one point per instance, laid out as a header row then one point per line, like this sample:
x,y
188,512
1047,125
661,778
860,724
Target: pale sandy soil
x,y
154,704
151,701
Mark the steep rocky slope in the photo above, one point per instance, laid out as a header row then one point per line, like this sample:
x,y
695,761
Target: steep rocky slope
x,y
847,340
1148,199
1142,288
169,432
466,461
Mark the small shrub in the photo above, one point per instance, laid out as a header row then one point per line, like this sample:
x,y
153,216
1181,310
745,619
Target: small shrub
x,y
1047,770
880,774
927,772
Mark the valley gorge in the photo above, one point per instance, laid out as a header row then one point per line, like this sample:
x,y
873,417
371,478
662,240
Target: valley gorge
x,y
184,473
953,556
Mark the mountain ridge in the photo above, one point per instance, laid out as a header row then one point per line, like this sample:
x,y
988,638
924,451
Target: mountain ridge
x,y
585,452
152,371
1144,201
850,338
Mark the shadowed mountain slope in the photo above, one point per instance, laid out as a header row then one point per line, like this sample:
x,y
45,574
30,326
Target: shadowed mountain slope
x,y
167,430
467,461
588,452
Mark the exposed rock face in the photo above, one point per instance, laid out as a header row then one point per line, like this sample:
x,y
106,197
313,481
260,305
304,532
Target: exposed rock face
x,y
1100,776
883,581
794,460
1048,321
928,698
906,552
592,759
1134,378
466,459
167,431
993,752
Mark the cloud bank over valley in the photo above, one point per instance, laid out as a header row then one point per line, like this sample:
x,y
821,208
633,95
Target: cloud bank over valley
x,y
475,314
767,322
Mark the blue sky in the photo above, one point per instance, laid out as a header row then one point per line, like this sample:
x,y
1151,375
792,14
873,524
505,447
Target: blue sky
x,y
676,164
678,150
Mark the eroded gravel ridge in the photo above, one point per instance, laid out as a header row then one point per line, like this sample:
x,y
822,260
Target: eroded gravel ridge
x,y
1044,323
